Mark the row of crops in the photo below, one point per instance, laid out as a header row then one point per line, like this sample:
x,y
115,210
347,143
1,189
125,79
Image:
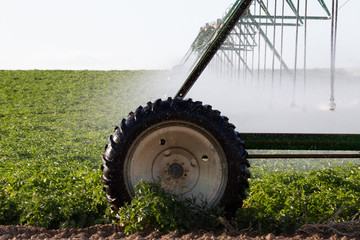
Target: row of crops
x,y
54,124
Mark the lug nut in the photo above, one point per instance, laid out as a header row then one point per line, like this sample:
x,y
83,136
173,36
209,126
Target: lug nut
x,y
193,162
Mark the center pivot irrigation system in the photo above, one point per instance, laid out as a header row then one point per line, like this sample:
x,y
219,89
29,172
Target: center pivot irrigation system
x,y
192,150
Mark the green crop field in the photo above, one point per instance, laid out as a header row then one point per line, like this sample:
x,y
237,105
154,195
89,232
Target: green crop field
x,y
53,128
54,125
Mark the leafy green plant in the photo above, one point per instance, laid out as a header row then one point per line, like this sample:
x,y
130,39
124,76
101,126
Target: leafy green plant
x,y
9,212
153,208
261,167
283,202
53,125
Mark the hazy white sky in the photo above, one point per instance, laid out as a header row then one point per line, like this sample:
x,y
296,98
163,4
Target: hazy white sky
x,y
124,34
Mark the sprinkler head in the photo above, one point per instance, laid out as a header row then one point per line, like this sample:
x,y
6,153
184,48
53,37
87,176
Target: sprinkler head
x,y
332,106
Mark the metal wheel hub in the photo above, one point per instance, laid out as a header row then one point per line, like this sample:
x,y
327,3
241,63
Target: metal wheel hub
x,y
183,158
176,170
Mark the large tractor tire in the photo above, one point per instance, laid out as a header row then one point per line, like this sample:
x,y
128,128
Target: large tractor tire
x,y
186,147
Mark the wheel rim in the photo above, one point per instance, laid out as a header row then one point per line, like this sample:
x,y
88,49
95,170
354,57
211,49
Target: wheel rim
x,y
182,157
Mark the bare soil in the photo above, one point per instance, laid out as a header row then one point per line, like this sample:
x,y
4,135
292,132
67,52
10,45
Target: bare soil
x,y
333,231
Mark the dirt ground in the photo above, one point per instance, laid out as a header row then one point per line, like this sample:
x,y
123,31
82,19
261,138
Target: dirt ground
x,y
333,231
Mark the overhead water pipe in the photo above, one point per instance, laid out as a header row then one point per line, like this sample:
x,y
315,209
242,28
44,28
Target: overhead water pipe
x,y
333,52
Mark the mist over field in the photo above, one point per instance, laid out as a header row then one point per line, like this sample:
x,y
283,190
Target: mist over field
x,y
265,104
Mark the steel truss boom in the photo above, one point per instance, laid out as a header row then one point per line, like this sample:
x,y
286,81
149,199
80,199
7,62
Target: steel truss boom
x,y
242,38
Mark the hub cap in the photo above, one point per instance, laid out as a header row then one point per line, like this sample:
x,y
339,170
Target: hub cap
x,y
182,157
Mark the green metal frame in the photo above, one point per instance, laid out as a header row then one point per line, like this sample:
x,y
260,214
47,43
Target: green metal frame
x,y
218,37
212,38
304,142
212,30
298,141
